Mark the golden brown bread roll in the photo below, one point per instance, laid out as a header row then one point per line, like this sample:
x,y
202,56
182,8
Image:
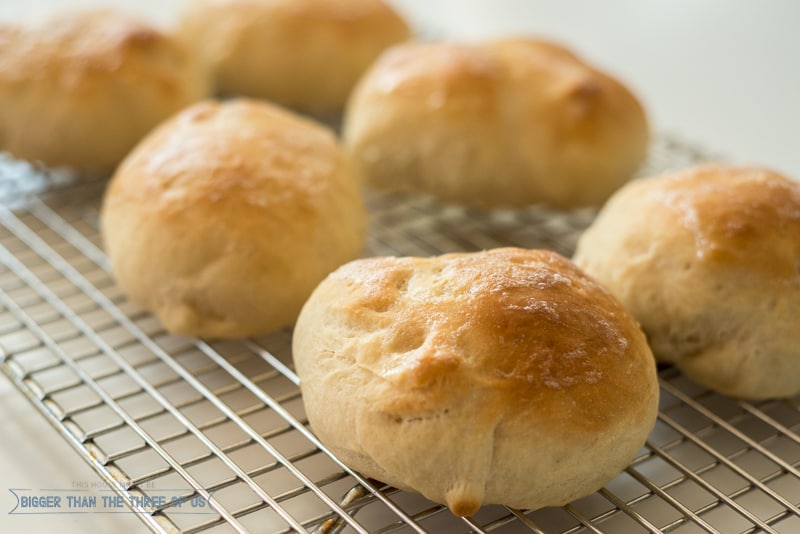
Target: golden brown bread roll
x,y
224,219
81,89
505,376
305,54
509,122
708,260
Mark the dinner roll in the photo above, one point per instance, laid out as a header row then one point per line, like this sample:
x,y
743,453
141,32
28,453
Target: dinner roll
x,y
224,219
505,376
708,261
503,123
82,88
305,54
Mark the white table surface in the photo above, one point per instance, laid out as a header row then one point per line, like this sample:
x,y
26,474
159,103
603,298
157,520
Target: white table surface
x,y
723,74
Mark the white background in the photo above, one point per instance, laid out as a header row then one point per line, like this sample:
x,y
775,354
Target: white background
x,y
722,74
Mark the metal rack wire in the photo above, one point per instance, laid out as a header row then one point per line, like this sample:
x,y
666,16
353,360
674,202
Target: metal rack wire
x,y
222,423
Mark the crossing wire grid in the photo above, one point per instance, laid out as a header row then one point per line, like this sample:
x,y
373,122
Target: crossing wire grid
x,y
223,421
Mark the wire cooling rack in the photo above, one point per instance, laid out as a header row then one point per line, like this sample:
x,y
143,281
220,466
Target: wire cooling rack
x,y
222,423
